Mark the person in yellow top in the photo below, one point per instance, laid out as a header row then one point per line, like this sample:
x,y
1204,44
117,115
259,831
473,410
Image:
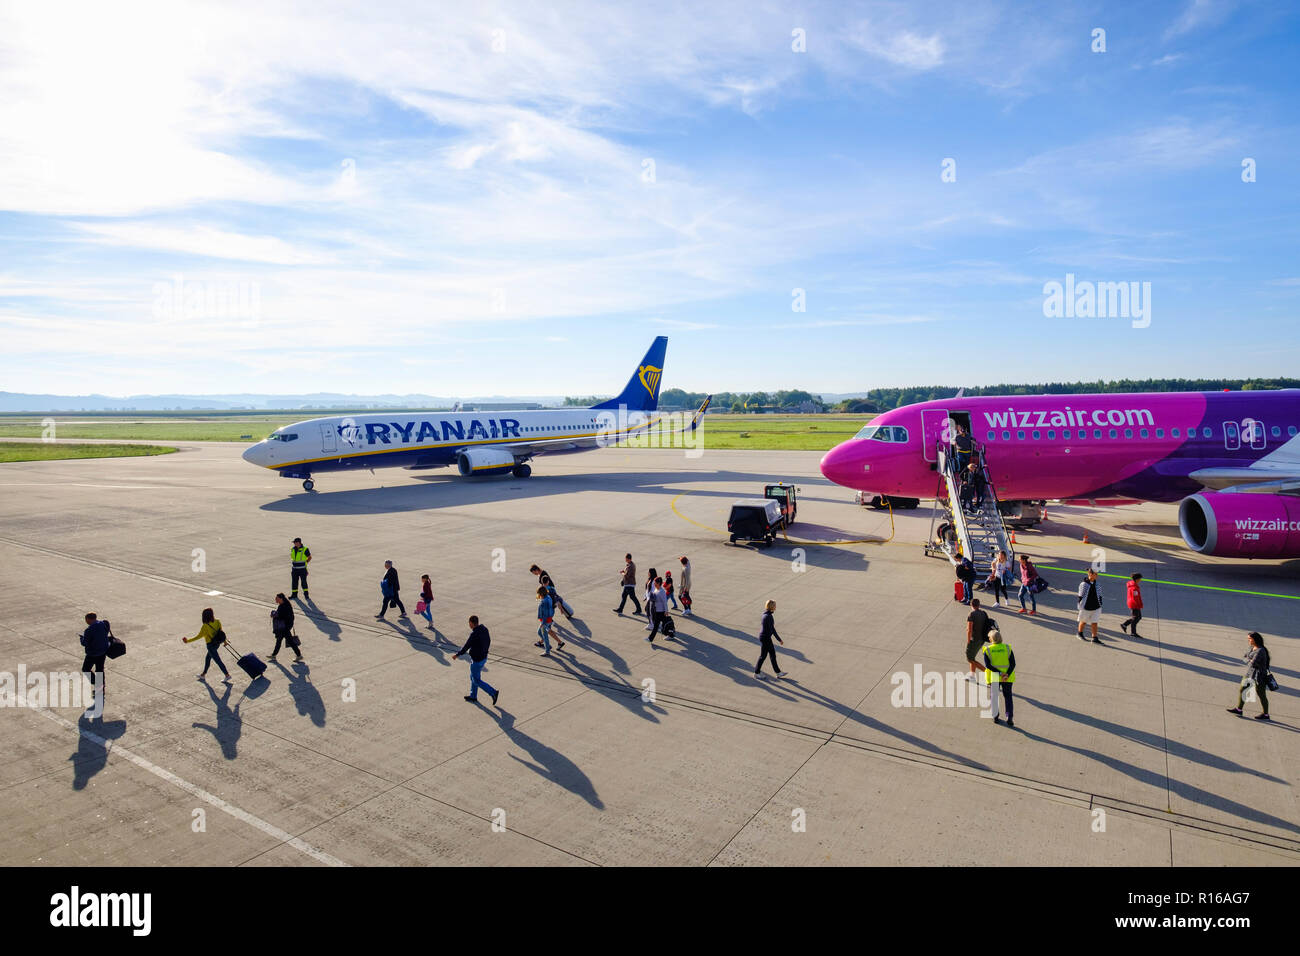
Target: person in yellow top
x,y
299,558
1000,669
214,637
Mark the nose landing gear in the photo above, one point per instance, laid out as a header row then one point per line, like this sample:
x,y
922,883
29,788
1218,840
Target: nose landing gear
x,y
308,484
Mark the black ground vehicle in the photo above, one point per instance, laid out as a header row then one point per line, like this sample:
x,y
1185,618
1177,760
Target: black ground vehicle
x,y
755,519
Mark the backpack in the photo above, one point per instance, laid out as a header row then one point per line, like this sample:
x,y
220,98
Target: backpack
x,y
669,628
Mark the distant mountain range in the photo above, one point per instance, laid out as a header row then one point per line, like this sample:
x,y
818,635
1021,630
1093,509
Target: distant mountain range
x,y
25,402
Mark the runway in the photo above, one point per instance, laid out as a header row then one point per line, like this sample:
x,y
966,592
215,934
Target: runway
x,y
616,752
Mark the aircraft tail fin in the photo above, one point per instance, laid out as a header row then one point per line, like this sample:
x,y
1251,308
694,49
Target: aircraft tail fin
x,y
641,394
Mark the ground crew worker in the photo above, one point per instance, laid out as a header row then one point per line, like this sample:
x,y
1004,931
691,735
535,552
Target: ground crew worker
x,y
1000,669
299,558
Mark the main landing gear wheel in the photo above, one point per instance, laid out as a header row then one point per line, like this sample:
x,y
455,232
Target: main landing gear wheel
x,y
308,485
522,471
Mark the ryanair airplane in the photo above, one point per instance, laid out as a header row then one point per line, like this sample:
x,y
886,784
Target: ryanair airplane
x,y
477,443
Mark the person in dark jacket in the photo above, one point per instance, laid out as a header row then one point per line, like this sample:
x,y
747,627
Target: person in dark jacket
x,y
95,639
282,627
1257,670
389,585
477,648
766,633
544,577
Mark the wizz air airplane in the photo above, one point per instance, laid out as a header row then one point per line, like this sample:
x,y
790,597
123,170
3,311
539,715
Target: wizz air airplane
x,y
1231,458
477,443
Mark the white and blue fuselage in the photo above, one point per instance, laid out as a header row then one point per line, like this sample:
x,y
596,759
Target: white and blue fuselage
x,y
477,443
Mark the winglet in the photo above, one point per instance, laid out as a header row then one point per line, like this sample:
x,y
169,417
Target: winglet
x,y
699,415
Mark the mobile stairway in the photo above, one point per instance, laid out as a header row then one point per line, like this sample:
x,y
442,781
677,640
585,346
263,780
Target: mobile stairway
x,y
979,534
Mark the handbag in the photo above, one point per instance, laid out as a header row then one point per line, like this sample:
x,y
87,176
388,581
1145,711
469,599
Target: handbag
x,y
116,648
293,641
1270,682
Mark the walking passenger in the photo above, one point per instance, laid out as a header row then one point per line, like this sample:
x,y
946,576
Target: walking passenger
x,y
1089,604
1027,575
978,625
687,600
657,604
545,618
766,634
1134,605
628,580
389,587
998,579
477,648
213,636
426,598
1258,675
282,627
649,603
668,586
96,639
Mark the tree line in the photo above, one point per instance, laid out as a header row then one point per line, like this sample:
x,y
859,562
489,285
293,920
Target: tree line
x,y
883,399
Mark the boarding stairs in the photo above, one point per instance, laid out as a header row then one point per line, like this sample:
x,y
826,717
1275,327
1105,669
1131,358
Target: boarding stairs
x,y
979,534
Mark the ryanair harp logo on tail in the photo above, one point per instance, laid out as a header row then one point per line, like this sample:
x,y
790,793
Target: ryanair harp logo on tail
x,y
649,376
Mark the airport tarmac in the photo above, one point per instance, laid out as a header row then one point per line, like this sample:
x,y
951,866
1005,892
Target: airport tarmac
x,y
614,751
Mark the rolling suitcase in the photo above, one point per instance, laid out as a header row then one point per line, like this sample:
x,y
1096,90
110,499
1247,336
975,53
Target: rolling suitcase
x,y
958,593
250,664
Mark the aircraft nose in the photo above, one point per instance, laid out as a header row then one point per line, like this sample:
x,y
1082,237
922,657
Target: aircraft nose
x,y
843,466
255,454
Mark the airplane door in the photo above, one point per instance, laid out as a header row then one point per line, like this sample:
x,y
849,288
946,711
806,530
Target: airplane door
x,y
1231,436
934,428
327,438
1252,433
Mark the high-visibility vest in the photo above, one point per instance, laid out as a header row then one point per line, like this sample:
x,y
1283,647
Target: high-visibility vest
x,y
299,557
1000,656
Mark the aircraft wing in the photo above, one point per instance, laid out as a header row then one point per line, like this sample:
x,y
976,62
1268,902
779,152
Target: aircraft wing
x,y
1282,478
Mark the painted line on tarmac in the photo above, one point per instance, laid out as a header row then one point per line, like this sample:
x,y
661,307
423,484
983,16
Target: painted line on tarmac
x,y
1176,584
270,829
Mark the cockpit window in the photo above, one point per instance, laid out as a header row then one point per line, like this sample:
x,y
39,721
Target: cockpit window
x,y
889,433
283,436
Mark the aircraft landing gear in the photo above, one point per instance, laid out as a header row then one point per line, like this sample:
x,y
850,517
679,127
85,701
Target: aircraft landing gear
x,y
308,484
522,470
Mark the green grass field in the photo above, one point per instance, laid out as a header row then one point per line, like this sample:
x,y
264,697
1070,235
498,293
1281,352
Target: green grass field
x,y
779,432
53,451
144,428
758,432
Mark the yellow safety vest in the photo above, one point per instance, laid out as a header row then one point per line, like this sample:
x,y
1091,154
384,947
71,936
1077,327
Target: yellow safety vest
x,y
298,556
1000,656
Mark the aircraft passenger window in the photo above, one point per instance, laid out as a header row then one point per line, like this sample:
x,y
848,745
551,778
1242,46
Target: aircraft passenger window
x,y
1006,436
1291,430
1174,433
1275,432
1207,432
1020,436
992,435
1050,434
1160,433
1113,433
1145,433
1065,433
1037,434
1128,433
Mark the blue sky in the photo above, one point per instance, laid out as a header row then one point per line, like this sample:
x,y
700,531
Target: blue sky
x,y
457,199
